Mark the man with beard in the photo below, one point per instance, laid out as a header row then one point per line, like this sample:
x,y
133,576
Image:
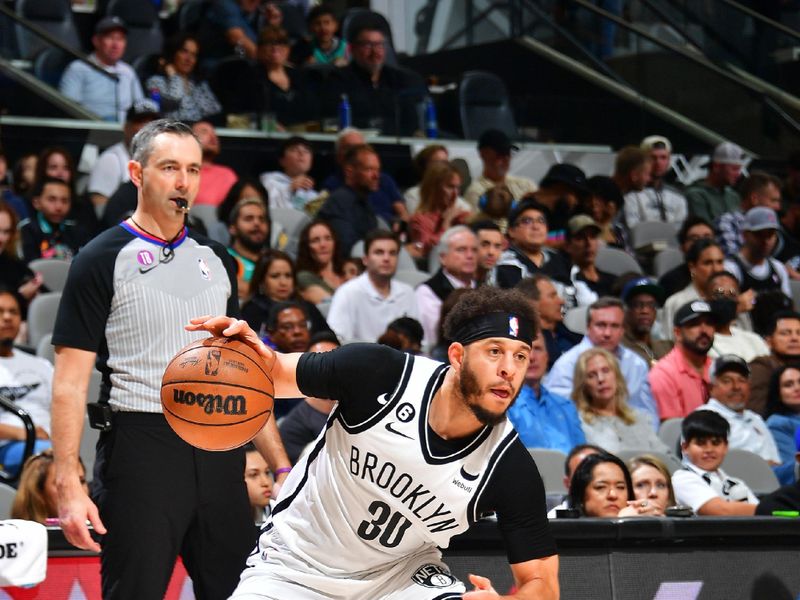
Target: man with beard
x,y
414,452
642,297
215,180
715,195
249,230
680,381
783,339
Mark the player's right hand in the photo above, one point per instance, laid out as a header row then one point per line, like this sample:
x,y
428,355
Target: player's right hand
x,y
75,508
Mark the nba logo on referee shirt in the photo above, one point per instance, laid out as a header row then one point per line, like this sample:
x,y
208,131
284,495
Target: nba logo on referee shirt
x,y
513,326
145,258
205,272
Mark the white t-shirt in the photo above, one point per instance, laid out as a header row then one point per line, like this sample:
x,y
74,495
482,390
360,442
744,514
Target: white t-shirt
x,y
748,431
694,487
28,381
279,187
746,344
110,171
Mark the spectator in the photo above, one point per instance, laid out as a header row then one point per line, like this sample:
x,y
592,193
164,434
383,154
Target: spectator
x,y
320,268
8,194
287,325
694,228
544,419
550,308
37,498
303,425
286,93
387,202
563,191
604,328
658,201
215,180
438,210
582,281
494,205
730,390
491,244
642,297
274,280
363,307
759,189
681,380
432,154
25,380
701,484
348,209
111,169
249,229
494,148
322,47
703,258
600,395
231,27
14,273
107,97
607,212
457,250
527,253
631,171
182,95
783,339
291,187
404,334
715,195
258,480
783,406
722,291
50,234
251,188
23,175
652,482
753,266
57,162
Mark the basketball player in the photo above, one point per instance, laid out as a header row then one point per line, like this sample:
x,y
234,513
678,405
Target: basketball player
x,y
128,294
413,454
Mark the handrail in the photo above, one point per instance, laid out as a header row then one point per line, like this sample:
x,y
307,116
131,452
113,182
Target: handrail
x,y
759,17
30,435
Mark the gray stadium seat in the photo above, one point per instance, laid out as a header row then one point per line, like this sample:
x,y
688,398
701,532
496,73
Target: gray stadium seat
x,y
44,349
207,214
752,469
575,319
483,104
292,221
53,270
551,467
666,260
616,261
7,494
672,463
412,278
669,432
42,316
49,65
90,436
54,16
653,232
144,27
795,287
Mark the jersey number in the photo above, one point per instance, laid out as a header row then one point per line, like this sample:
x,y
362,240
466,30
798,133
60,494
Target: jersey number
x,y
390,535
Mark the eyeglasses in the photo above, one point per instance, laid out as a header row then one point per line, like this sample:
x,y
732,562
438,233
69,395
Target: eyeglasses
x,y
643,304
723,293
291,326
531,220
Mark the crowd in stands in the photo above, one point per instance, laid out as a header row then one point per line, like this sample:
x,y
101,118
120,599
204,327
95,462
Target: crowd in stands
x,y
714,341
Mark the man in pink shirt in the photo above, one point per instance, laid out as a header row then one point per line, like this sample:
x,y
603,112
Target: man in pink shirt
x,y
680,381
215,180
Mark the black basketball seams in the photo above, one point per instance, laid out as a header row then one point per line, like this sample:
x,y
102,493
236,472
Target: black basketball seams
x,y
267,412
211,382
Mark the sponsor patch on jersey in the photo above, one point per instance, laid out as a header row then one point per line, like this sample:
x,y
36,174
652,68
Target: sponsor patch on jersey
x,y
204,270
433,576
145,258
513,326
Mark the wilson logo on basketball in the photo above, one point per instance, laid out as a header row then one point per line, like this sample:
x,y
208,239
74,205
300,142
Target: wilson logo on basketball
x,y
211,403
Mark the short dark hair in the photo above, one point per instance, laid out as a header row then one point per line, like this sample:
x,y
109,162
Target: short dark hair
x,y
484,225
486,300
698,247
691,221
530,286
703,424
771,307
379,234
38,188
295,140
718,274
603,302
22,304
757,181
367,22
577,450
353,152
278,308
326,335
583,478
320,10
142,143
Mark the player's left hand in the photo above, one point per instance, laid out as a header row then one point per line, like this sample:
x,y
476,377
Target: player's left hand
x,y
483,589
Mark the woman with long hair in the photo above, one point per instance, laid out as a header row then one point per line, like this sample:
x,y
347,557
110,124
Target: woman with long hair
x,y
783,408
601,397
37,498
319,264
652,482
14,273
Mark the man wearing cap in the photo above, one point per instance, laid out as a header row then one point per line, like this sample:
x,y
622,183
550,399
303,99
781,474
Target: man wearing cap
x,y
730,391
753,266
111,169
657,201
109,98
759,189
715,195
583,282
494,148
527,253
563,188
680,380
642,297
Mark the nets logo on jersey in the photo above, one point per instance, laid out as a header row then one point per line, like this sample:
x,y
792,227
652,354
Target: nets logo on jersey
x,y
433,576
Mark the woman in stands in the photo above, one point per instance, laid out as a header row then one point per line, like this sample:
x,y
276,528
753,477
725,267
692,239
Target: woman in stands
x,y
703,258
37,498
319,264
183,96
275,280
601,487
783,408
429,155
600,395
437,210
14,273
652,482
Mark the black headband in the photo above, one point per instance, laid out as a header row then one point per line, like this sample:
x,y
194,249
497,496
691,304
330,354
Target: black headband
x,y
495,324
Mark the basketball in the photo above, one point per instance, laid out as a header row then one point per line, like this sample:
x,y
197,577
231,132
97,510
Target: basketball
x,y
216,393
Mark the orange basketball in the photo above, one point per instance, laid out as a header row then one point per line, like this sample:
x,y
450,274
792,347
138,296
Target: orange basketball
x,y
216,393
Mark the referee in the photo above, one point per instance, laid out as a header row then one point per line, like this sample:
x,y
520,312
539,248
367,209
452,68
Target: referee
x,y
128,295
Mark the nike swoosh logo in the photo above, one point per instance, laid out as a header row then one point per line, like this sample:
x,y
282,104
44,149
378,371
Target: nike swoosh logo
x,y
144,270
390,427
468,476
382,399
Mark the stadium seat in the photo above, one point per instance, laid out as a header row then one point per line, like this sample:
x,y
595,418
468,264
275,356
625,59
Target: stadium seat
x,y
49,65
671,462
42,316
355,16
653,232
575,319
669,432
89,436
7,494
146,66
616,261
207,214
666,260
551,467
144,27
44,349
190,14
483,104
794,285
54,16
411,277
752,469
53,270
292,221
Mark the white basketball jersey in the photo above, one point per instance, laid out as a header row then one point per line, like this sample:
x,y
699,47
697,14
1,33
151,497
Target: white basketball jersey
x,y
374,492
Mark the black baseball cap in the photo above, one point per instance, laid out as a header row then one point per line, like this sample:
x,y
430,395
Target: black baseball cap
x,y
111,23
731,362
497,141
642,285
569,175
691,311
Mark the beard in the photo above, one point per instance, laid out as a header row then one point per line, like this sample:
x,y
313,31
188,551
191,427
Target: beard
x,y
253,245
697,347
471,391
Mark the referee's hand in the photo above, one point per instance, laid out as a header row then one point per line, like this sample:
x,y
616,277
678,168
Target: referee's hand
x,y
76,511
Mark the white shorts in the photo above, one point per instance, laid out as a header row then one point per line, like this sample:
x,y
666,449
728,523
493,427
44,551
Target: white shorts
x,y
275,574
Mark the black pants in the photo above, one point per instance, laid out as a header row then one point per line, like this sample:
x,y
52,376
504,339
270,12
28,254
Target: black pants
x,y
160,497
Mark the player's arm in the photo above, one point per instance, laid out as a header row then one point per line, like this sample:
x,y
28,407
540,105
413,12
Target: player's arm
x,y
721,508
535,580
73,368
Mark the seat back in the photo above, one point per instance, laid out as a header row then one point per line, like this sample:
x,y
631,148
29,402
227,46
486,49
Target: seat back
x,y
42,316
669,432
53,270
292,221
190,14
794,285
54,16
207,215
411,277
44,349
616,261
49,65
666,260
551,467
7,495
670,461
354,17
752,469
483,104
649,232
575,319
144,27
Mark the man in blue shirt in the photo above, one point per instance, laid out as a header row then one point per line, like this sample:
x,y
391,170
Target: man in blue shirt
x,y
544,419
